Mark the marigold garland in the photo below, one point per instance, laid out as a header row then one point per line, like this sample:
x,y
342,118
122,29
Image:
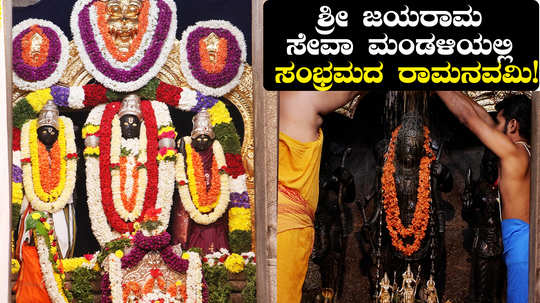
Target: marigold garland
x,y
189,190
418,226
205,199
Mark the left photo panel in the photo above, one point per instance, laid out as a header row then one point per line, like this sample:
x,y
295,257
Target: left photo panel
x,y
132,151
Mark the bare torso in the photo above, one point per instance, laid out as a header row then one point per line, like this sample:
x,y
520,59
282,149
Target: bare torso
x,y
514,186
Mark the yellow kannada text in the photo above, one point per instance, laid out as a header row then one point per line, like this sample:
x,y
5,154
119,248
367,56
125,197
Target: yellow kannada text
x,y
466,74
323,78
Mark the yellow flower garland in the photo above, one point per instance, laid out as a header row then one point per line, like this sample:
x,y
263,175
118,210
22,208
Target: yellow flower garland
x,y
38,98
240,219
89,129
219,114
17,192
34,157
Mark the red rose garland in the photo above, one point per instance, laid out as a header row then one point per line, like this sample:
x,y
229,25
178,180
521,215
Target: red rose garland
x,y
113,217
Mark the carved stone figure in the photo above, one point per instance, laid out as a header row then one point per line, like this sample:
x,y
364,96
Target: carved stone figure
x,y
481,209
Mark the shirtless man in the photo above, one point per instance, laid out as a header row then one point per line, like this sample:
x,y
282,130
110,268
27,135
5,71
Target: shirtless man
x,y
508,138
300,146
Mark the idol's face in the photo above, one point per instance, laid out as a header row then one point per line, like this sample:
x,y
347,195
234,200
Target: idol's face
x,y
47,135
202,142
409,150
123,21
131,126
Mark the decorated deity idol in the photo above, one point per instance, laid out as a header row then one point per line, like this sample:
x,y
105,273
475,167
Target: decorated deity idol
x,y
411,179
129,165
204,186
47,225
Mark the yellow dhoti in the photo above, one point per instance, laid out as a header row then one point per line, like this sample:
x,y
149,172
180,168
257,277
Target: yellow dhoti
x,y
298,194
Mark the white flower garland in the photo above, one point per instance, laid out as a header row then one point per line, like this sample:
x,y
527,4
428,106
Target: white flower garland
x,y
213,259
61,64
185,65
185,194
140,151
157,295
166,176
47,272
194,279
143,80
71,170
115,277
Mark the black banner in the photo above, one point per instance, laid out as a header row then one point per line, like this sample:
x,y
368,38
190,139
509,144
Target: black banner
x,y
350,45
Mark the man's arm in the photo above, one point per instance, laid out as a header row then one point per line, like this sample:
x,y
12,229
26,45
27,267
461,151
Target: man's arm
x,y
466,110
480,111
300,111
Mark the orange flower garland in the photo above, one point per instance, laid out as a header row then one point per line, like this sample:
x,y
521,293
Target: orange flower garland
x,y
50,172
129,203
207,196
104,29
418,226
207,65
27,47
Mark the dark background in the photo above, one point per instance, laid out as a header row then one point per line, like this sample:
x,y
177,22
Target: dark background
x,y
188,12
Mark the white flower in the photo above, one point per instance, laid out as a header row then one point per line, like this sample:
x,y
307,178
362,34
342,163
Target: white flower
x,y
188,99
76,97
238,184
47,271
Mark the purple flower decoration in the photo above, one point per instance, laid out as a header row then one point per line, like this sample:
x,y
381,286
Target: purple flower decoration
x,y
106,289
240,200
60,95
16,174
27,75
173,260
233,61
87,45
203,102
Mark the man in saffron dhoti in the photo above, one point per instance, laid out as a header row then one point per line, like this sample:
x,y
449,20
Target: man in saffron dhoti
x,y
508,137
300,146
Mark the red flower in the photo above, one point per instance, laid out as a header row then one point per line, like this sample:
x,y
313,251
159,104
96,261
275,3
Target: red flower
x,y
42,219
94,94
152,214
71,156
16,138
204,259
25,160
222,259
88,257
182,182
53,244
155,273
168,94
234,167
